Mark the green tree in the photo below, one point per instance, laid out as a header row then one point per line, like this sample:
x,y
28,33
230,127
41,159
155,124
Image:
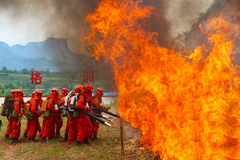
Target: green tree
x,y
4,69
11,86
25,71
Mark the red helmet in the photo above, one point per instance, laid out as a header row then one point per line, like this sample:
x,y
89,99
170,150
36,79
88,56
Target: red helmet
x,y
89,87
20,91
39,91
13,90
80,87
33,92
56,90
101,90
66,90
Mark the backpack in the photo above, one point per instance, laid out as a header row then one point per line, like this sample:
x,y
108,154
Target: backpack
x,y
8,106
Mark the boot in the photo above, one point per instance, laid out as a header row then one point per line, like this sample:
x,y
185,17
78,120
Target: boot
x,y
95,137
50,139
15,140
66,137
79,143
57,135
7,137
85,141
31,140
25,135
44,140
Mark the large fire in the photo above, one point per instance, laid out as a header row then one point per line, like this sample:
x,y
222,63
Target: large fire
x,y
186,108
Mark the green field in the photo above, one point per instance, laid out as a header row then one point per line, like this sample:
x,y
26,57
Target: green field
x,y
69,79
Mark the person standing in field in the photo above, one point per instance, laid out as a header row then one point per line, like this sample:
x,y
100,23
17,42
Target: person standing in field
x,y
97,100
36,110
72,120
16,120
25,135
9,126
49,126
59,120
84,124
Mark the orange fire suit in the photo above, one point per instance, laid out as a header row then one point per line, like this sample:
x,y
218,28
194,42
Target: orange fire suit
x,y
72,125
9,127
97,100
28,125
16,123
59,120
43,126
34,122
84,124
28,128
49,127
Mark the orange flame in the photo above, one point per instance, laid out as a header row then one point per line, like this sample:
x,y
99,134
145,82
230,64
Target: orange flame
x,y
185,108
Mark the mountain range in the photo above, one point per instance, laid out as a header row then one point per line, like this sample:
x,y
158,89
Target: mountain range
x,y
52,54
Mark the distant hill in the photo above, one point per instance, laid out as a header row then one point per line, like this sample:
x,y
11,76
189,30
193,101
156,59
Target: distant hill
x,y
52,53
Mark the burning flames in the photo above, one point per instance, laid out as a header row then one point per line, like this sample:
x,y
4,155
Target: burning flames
x,y
186,108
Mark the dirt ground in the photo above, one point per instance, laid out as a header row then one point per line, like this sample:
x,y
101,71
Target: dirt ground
x,y
108,145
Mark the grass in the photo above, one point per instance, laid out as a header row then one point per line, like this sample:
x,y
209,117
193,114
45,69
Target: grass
x,y
51,80
107,147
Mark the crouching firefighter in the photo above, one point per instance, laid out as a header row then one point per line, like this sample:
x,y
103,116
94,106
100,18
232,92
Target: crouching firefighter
x,y
7,111
84,124
97,100
35,106
50,115
17,115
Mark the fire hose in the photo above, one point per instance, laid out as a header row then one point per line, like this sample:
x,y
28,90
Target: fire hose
x,y
105,111
91,116
103,116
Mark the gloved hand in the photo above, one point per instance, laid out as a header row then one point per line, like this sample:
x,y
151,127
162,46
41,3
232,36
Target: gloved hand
x,y
107,108
59,110
88,109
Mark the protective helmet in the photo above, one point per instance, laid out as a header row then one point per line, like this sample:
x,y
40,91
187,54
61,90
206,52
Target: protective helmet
x,y
13,90
89,87
66,90
39,91
56,90
33,92
80,87
101,90
20,91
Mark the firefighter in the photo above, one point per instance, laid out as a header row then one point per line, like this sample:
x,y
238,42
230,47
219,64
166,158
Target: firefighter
x,y
36,110
49,126
59,120
16,121
28,125
9,126
97,100
84,124
72,121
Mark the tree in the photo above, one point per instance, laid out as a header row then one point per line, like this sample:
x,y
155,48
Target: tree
x,y
25,71
4,69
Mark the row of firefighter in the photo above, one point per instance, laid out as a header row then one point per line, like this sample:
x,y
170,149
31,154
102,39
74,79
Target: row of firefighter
x,y
83,112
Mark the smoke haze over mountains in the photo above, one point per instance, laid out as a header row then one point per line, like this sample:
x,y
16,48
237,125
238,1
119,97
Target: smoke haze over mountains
x,y
30,21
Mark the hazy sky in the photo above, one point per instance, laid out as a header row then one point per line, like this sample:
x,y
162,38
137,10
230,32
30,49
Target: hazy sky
x,y
23,21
